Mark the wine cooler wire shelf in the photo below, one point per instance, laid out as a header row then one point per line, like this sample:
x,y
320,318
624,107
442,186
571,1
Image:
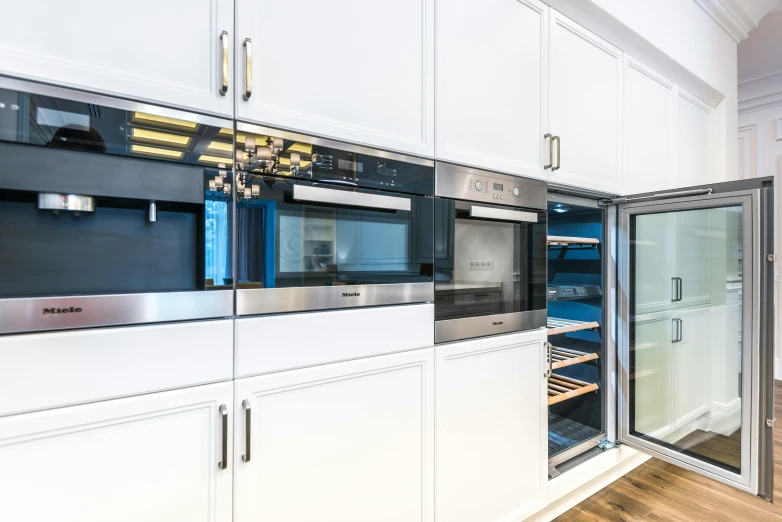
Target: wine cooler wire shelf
x,y
561,388
558,326
566,241
562,357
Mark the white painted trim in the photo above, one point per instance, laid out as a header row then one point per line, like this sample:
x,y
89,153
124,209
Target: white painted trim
x,y
759,103
576,485
779,129
761,76
729,16
749,132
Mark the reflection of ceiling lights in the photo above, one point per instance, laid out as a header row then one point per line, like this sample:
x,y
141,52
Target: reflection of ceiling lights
x,y
184,124
154,151
560,208
160,137
226,132
221,146
206,158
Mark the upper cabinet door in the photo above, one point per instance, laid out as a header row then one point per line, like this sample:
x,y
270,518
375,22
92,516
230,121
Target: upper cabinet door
x,y
648,130
356,71
492,84
693,137
172,53
585,101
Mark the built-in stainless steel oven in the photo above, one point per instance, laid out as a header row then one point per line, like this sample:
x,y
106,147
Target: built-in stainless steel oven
x,y
490,253
325,225
111,212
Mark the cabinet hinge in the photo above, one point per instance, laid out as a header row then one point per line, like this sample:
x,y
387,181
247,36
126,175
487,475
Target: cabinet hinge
x,y
771,422
771,258
605,444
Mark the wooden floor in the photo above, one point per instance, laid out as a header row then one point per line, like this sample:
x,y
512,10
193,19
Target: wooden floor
x,y
658,491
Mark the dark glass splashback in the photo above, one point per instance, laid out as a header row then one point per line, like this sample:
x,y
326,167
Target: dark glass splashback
x,y
364,219
155,219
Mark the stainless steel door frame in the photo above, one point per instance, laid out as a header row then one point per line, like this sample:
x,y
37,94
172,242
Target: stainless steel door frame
x,y
750,201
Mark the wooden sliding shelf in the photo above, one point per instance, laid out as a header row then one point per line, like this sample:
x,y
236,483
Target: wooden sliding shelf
x,y
558,326
562,388
561,357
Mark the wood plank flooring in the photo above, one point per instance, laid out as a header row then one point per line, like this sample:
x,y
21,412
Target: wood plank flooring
x,y
658,491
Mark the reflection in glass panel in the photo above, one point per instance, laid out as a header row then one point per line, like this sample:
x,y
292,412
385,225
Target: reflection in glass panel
x,y
685,332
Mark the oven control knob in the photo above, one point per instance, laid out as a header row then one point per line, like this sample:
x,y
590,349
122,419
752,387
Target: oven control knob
x,y
478,186
500,196
516,191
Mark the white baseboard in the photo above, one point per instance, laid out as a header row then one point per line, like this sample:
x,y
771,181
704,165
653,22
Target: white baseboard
x,y
578,484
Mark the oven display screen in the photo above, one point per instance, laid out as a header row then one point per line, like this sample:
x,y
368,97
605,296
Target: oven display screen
x,y
497,186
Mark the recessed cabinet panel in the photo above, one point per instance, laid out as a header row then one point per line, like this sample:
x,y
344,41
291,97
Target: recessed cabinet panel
x,y
693,137
654,269
358,71
691,357
491,84
653,376
165,52
585,100
152,457
648,130
347,442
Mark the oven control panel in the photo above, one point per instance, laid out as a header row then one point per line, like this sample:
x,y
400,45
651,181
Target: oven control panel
x,y
453,181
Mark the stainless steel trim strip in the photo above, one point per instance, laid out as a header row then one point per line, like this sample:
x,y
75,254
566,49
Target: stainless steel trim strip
x,y
116,103
663,195
68,202
470,184
20,315
350,198
468,327
502,214
575,451
301,299
325,142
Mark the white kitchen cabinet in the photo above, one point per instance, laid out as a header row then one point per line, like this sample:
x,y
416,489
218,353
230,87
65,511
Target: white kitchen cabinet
x,y
654,262
653,375
693,141
169,52
150,457
357,71
648,112
492,84
585,107
492,450
693,256
351,441
691,366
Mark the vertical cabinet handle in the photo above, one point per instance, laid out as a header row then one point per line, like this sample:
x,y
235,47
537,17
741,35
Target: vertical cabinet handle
x,y
678,330
224,453
676,289
248,68
559,148
224,65
550,151
247,430
550,361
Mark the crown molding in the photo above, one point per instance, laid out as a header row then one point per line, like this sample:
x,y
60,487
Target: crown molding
x,y
760,103
729,16
761,76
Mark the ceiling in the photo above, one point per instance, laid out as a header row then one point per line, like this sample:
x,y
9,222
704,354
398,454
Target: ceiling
x,y
761,52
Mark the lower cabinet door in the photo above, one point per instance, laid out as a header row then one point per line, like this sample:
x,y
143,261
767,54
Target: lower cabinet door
x,y
691,358
344,442
492,450
148,458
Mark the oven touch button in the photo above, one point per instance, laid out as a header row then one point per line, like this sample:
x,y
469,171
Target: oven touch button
x,y
516,191
478,186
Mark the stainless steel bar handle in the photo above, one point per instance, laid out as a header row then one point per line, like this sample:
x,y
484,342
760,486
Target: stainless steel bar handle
x,y
550,151
354,199
678,330
248,69
559,148
676,289
550,361
224,454
247,430
502,214
224,65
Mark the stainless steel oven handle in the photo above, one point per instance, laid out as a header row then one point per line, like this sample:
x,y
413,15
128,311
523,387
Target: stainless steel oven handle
x,y
502,214
349,198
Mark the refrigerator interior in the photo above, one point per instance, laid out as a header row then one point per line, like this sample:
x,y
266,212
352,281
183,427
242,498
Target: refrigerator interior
x,y
576,415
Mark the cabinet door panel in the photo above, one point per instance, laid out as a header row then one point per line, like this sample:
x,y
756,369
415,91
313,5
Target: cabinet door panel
x,y
691,367
648,130
693,140
152,457
653,376
491,84
358,71
343,442
654,246
585,100
164,52
692,233
491,428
